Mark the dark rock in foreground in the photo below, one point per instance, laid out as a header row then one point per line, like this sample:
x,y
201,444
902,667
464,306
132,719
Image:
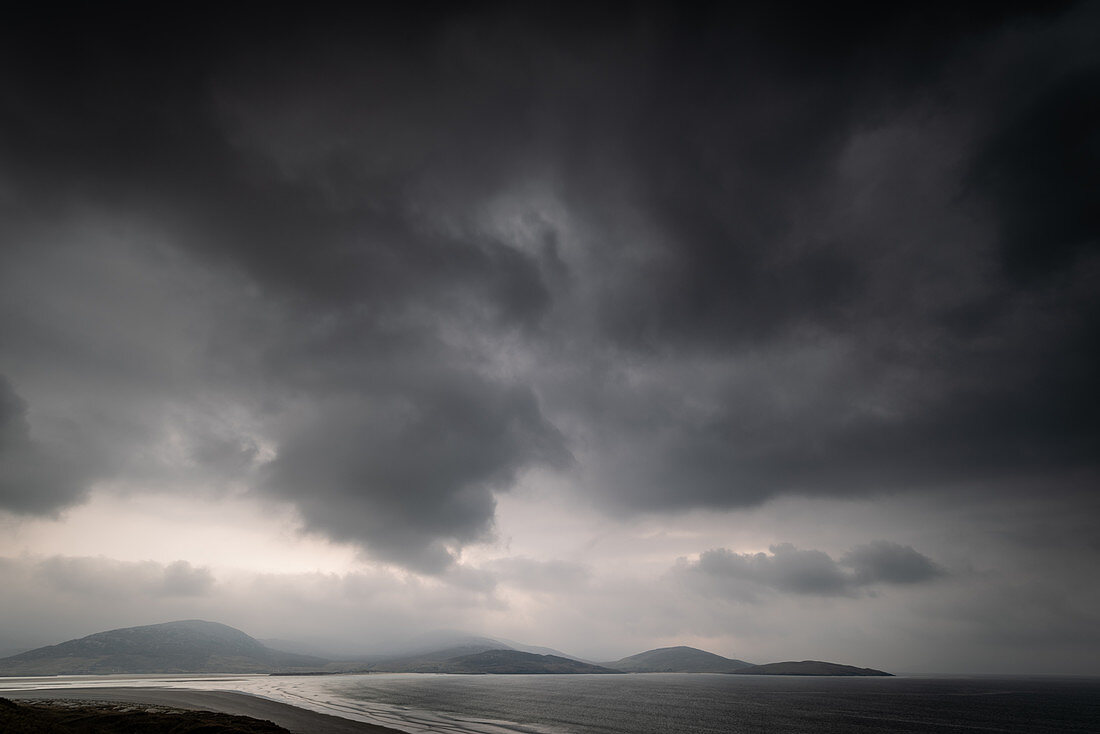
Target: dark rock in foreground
x,y
68,717
808,667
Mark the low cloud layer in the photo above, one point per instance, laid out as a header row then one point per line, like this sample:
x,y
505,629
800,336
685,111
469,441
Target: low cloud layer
x,y
1016,618
122,582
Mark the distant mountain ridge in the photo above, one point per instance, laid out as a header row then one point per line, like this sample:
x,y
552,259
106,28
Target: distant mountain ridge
x,y
186,646
197,646
680,659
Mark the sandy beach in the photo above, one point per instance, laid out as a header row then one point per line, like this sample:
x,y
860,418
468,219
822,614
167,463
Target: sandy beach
x,y
297,720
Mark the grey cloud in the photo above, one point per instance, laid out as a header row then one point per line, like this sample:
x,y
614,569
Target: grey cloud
x,y
471,579
540,576
884,562
785,569
226,456
406,472
788,569
183,579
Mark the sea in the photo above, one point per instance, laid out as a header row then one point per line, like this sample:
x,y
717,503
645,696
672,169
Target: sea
x,y
660,703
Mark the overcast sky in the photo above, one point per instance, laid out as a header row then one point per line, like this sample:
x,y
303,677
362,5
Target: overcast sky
x,y
769,332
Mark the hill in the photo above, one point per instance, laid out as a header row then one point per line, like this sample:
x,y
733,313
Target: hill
x,y
516,661
429,661
679,659
434,652
432,644
808,667
538,650
474,659
189,646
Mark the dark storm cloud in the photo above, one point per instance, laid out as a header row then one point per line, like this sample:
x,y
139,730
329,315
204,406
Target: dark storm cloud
x,y
1039,170
946,336
736,135
33,478
129,130
409,470
811,572
768,252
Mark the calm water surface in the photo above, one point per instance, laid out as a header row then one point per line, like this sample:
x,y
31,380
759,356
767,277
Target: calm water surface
x,y
668,703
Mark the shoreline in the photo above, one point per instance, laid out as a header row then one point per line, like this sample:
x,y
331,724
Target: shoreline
x,y
294,719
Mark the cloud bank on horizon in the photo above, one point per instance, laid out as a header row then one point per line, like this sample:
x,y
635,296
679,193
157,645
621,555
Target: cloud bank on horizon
x,y
388,270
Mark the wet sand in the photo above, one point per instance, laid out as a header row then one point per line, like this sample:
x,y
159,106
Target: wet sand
x,y
292,718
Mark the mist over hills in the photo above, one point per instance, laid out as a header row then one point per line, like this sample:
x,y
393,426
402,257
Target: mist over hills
x,y
437,641
434,651
426,661
514,662
433,646
197,646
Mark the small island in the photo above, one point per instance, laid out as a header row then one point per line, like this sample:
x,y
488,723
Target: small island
x,y
679,659
808,667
